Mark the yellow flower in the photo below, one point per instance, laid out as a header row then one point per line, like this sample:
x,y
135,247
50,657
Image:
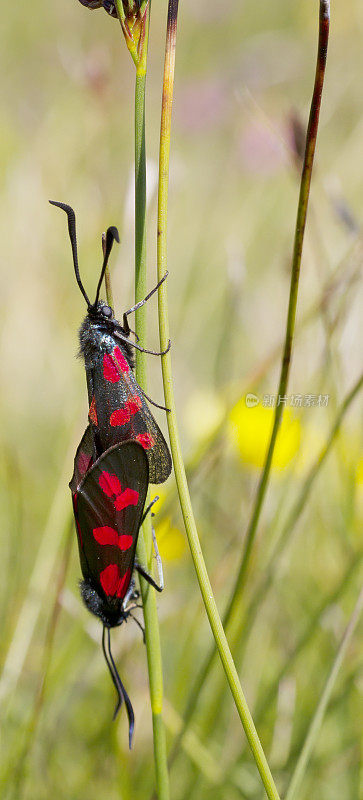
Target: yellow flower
x,y
250,429
171,542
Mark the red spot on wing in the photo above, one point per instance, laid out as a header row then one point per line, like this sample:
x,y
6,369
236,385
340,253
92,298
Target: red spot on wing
x,y
123,415
130,497
125,541
109,579
121,360
105,535
114,364
146,440
124,584
112,583
92,414
133,405
119,417
109,484
110,371
108,535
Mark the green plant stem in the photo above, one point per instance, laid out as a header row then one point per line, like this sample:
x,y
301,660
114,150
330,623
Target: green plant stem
x,y
303,497
209,719
140,223
311,135
337,282
131,42
318,716
304,640
152,636
153,650
108,283
240,635
108,286
233,611
185,502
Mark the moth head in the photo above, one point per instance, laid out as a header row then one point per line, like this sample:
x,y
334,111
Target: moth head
x,y
101,311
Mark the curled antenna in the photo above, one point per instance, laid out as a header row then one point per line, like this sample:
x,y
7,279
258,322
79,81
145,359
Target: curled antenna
x,y
72,235
120,689
109,664
111,236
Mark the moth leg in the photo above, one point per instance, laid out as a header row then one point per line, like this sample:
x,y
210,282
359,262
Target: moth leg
x,y
164,408
132,607
148,578
155,499
125,338
131,595
142,302
140,626
159,587
159,563
126,326
127,330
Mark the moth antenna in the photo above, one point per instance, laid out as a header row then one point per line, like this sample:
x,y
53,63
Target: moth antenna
x,y
114,679
111,236
72,235
121,691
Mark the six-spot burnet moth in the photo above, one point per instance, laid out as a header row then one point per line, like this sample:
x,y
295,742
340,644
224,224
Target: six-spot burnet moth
x,y
117,407
121,450
108,500
108,5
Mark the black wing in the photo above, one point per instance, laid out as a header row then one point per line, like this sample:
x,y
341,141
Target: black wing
x,y
108,5
83,460
108,507
118,412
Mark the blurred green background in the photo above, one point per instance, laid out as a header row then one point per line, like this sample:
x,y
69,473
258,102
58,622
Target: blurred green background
x,y
244,76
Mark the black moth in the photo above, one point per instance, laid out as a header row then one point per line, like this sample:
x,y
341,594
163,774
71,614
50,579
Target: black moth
x,y
117,407
108,500
121,450
108,5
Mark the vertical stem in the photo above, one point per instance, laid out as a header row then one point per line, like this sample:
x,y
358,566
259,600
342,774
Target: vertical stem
x,y
140,221
108,287
185,502
311,135
108,284
153,650
152,636
233,613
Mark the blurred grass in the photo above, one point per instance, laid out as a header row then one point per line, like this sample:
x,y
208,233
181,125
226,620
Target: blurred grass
x,y
233,198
